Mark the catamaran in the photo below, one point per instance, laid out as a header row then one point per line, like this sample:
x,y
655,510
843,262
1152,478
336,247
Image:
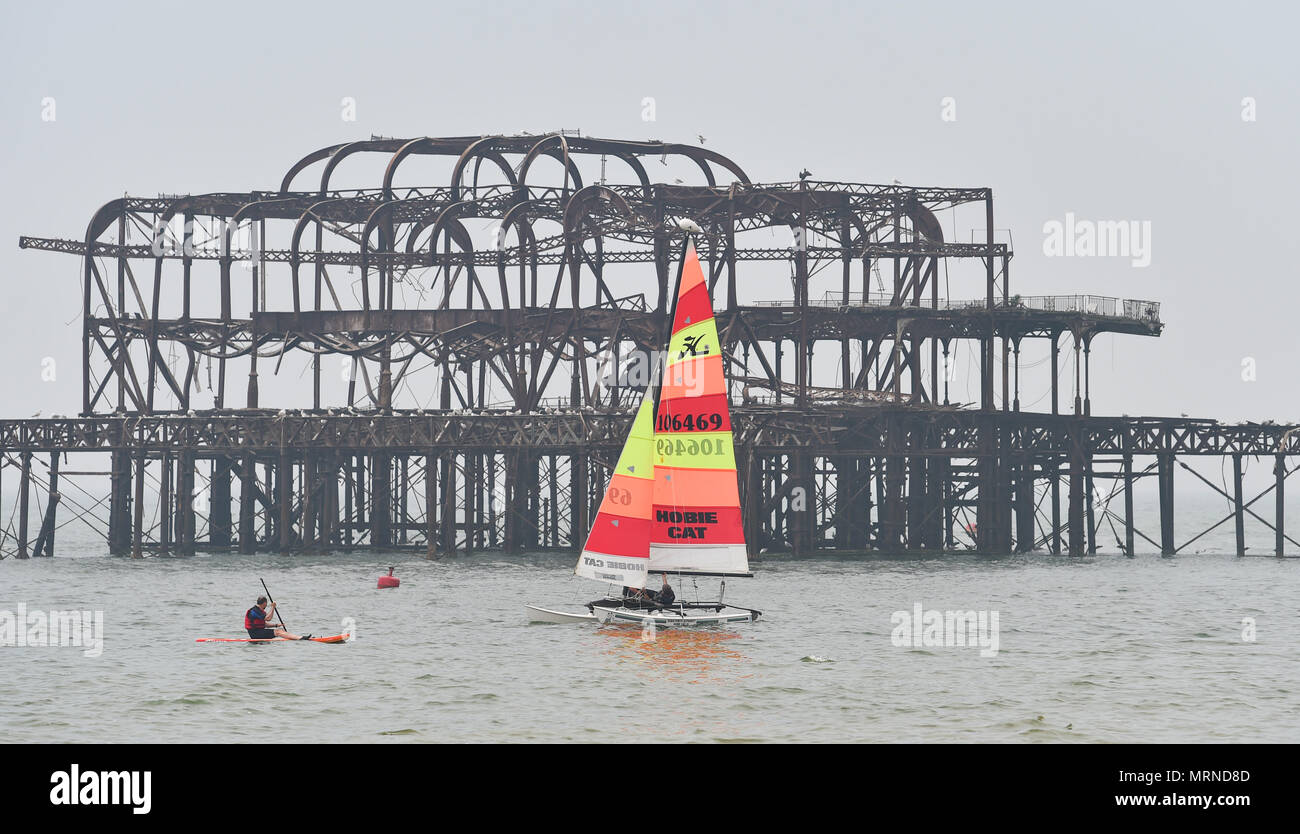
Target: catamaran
x,y
672,506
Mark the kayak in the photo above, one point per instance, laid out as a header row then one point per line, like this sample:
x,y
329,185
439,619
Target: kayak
x,y
336,638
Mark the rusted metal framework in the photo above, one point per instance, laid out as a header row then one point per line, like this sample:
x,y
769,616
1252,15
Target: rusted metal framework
x,y
487,320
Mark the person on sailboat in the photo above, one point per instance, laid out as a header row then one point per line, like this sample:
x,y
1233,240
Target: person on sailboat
x,y
255,623
666,594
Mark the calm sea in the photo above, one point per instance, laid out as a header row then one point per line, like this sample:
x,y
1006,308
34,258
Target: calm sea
x,y
1200,648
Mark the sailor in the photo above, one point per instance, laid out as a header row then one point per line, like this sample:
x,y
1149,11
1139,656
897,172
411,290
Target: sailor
x,y
255,622
636,597
666,595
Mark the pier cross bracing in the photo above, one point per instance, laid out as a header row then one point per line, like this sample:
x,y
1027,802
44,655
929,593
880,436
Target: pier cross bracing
x,y
465,346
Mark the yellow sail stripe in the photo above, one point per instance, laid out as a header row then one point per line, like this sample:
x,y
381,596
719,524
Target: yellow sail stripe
x,y
702,336
637,458
695,450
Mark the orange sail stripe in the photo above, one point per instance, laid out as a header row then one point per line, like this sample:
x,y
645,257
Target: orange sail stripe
x,y
701,377
626,494
676,487
692,273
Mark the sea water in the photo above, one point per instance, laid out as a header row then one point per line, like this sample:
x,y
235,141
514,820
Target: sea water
x,y
1196,648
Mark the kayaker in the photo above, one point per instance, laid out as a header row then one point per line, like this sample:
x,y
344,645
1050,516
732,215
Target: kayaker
x,y
255,622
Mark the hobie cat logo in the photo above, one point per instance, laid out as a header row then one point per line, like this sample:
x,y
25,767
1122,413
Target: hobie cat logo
x,y
108,787
918,628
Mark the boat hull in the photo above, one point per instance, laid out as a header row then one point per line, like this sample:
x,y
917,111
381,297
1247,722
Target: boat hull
x,y
537,614
682,616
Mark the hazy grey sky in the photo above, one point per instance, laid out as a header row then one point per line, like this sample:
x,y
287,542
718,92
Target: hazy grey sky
x,y
1104,110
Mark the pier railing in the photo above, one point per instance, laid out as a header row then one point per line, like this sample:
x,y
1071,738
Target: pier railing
x,y
1092,305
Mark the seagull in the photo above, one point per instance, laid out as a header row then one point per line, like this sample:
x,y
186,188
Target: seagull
x,y
701,138
689,226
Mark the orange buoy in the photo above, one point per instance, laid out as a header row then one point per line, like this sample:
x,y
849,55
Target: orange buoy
x,y
389,581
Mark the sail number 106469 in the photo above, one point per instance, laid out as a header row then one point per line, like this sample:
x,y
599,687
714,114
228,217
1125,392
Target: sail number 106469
x,y
689,422
669,447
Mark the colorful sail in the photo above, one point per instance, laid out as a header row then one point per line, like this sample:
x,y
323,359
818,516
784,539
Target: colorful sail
x,y
696,524
618,546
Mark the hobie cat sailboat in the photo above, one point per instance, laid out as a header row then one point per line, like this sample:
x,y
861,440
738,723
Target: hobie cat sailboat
x,y
672,506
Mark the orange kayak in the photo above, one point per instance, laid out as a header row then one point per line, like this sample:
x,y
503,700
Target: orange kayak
x,y
336,638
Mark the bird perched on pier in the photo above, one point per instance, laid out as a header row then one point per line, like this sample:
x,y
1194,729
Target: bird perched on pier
x,y
689,226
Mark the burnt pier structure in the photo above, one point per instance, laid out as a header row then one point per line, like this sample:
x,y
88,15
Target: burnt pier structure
x,y
447,358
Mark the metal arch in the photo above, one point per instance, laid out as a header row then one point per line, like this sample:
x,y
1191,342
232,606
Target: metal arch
x,y
647,190
570,169
481,146
457,232
341,154
416,146
295,243
582,197
308,161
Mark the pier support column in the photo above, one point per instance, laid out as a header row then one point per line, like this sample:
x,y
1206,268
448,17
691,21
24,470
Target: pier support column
x,y
247,486
165,504
1076,513
45,542
283,486
1165,467
1025,534
1238,505
1128,504
24,500
893,511
310,495
448,520
1090,513
219,528
381,501
137,535
1279,472
1055,538
185,504
430,506
579,500
119,506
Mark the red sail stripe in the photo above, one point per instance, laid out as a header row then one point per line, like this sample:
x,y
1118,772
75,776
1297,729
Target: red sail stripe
x,y
616,535
694,408
697,525
693,308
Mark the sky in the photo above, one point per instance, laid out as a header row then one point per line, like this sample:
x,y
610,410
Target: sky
x,y
1179,116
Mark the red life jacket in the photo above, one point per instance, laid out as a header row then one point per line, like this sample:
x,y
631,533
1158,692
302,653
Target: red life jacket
x,y
253,618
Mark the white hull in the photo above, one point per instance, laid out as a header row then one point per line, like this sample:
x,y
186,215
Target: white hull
x,y
547,615
673,617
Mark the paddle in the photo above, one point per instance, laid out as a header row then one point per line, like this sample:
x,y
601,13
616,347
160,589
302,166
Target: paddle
x,y
272,599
